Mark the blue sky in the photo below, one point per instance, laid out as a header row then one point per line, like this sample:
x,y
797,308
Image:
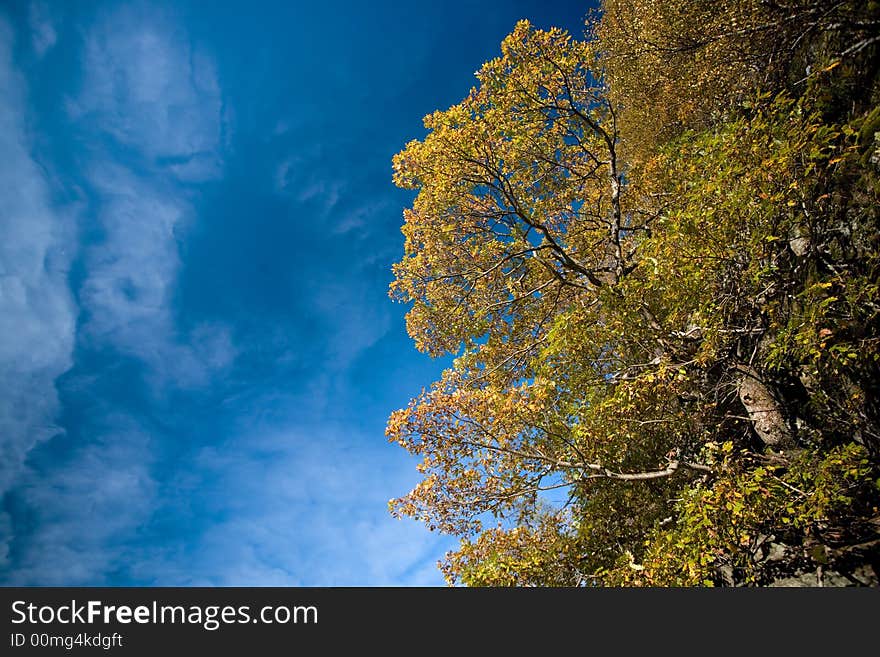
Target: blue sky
x,y
197,351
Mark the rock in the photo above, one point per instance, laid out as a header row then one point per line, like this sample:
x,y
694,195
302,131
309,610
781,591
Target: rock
x,y
865,575
830,578
798,581
833,578
726,573
776,552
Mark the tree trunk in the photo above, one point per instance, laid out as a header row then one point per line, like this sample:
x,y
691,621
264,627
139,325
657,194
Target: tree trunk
x,y
764,410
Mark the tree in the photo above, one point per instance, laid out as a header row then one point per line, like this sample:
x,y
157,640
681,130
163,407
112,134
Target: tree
x,y
683,344
682,64
519,216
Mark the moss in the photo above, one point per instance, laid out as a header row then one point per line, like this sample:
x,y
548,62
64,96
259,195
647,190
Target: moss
x,y
870,126
869,143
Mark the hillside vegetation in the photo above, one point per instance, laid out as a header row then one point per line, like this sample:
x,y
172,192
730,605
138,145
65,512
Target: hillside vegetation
x,y
654,252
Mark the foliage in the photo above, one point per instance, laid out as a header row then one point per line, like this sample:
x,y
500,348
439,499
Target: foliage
x,y
724,531
679,64
672,326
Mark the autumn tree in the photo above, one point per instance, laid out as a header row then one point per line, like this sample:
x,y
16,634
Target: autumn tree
x,y
680,340
679,64
520,216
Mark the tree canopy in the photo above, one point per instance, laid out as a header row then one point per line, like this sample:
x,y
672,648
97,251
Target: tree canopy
x,y
654,253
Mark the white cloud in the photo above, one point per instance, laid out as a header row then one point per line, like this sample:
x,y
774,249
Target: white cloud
x,y
150,96
37,315
43,34
295,177
300,510
132,268
151,89
86,509
154,93
355,321
132,272
358,219
282,173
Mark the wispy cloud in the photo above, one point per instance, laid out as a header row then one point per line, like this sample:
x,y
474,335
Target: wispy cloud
x,y
153,90
219,425
87,510
298,508
148,92
354,321
298,177
43,33
265,508
132,272
151,110
358,219
37,315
